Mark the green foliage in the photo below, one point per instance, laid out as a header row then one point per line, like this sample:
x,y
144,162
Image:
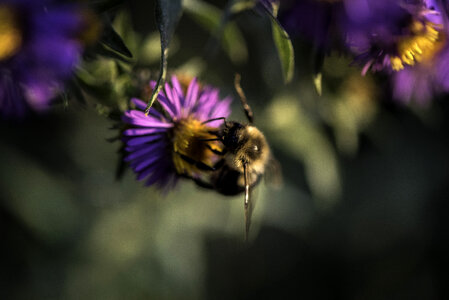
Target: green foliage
x,y
285,50
114,42
228,33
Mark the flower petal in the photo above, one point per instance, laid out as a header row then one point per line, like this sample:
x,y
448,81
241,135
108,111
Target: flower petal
x,y
142,131
191,96
177,86
145,123
144,139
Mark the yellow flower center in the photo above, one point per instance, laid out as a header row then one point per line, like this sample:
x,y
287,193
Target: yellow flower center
x,y
10,33
187,141
421,45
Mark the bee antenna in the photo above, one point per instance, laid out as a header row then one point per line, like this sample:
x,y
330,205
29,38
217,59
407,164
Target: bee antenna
x,y
239,90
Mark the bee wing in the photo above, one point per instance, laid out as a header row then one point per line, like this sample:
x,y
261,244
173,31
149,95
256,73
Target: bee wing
x,y
248,204
273,173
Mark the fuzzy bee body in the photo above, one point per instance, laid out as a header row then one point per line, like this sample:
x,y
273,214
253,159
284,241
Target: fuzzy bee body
x,y
244,159
246,148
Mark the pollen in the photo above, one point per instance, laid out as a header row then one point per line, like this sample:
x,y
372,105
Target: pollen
x,y
421,45
190,147
10,33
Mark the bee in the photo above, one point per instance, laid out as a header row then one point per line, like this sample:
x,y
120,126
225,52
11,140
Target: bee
x,y
245,158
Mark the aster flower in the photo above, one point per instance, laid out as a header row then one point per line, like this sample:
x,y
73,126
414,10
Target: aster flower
x,y
316,20
407,39
39,48
169,142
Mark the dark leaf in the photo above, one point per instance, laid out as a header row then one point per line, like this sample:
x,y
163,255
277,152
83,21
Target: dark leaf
x,y
105,51
167,17
113,40
211,19
283,43
281,38
105,5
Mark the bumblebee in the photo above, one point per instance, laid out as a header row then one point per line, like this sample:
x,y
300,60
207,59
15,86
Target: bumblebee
x,y
245,157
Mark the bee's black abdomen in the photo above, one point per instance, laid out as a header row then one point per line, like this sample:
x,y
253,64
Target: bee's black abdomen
x,y
227,181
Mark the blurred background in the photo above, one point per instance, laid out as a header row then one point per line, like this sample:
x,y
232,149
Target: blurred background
x,y
362,213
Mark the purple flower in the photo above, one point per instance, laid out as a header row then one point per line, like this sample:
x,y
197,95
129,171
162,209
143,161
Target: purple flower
x,y
168,142
39,48
407,39
316,20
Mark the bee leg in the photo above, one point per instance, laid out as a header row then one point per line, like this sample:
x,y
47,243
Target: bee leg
x,y
209,140
217,133
214,119
218,152
200,165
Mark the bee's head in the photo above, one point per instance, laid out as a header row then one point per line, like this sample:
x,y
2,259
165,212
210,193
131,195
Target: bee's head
x,y
244,141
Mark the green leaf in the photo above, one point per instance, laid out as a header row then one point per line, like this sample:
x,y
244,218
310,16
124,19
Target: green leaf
x,y
282,41
210,17
238,6
317,82
113,40
285,50
317,66
103,50
167,17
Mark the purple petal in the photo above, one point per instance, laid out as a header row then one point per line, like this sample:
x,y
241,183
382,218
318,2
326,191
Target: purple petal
x,y
192,95
177,86
145,123
142,106
403,85
155,146
146,172
139,103
174,101
206,104
167,105
144,139
142,131
153,178
143,151
146,163
222,109
141,115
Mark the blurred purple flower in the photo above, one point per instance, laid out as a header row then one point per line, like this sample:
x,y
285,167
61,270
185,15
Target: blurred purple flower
x,y
164,145
408,39
39,48
316,20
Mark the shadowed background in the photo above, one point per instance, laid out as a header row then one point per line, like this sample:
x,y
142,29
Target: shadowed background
x,y
362,213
